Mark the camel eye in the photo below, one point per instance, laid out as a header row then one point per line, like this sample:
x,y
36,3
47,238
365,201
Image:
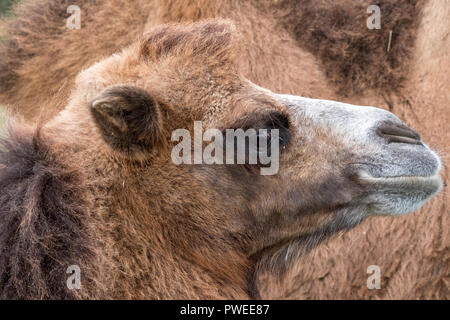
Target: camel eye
x,y
264,139
260,130
274,125
278,121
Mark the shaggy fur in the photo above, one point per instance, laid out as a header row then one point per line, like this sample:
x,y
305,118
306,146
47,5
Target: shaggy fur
x,y
45,221
355,58
21,52
277,55
187,231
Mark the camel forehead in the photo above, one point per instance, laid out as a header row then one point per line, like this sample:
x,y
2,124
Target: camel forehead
x,y
176,63
213,38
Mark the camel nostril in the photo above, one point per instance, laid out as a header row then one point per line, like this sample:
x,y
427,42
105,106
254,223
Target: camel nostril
x,y
398,133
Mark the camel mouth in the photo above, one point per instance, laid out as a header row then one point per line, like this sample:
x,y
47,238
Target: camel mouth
x,y
396,195
432,181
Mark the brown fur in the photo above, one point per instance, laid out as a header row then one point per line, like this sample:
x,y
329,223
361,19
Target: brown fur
x,y
355,58
47,223
21,52
187,232
273,58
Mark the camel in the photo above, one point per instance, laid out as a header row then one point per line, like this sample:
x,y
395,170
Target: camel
x,y
275,55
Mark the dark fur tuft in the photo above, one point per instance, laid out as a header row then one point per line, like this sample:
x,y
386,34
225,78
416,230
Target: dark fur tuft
x,y
355,57
43,221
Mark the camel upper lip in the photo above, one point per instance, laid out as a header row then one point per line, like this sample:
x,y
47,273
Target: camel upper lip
x,y
398,163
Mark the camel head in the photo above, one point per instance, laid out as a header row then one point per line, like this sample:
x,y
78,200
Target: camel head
x,y
338,163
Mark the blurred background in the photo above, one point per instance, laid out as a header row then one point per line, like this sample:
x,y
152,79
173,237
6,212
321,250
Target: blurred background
x,y
5,5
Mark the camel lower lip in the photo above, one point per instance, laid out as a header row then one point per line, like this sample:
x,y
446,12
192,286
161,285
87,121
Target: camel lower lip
x,y
432,181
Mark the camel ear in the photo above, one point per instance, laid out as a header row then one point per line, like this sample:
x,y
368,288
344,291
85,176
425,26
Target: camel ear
x,y
128,118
